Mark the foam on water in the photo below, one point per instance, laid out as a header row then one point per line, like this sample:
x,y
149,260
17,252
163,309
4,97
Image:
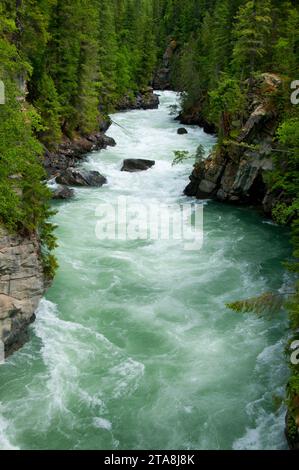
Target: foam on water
x,y
5,444
102,424
134,347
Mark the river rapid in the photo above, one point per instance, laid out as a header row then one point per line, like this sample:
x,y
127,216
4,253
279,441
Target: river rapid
x,y
133,347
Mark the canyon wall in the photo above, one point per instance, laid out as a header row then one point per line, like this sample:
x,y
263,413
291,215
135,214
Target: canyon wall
x,y
22,284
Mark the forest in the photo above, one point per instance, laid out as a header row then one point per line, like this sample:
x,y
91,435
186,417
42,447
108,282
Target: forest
x,y
66,64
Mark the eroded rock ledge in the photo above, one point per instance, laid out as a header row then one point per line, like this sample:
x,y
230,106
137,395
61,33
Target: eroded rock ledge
x,y
234,172
144,99
22,285
72,152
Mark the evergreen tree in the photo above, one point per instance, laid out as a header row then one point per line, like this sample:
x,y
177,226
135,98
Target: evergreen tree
x,y
286,48
252,31
221,43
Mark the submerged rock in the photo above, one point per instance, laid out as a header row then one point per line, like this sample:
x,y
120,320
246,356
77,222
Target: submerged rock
x,y
63,192
71,152
74,177
182,131
133,165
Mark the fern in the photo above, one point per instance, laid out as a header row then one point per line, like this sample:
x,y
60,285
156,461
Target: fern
x,y
268,302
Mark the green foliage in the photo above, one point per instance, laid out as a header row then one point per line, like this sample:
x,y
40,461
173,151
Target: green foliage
x,y
24,198
50,265
252,33
293,309
49,108
293,386
226,101
200,153
180,156
285,178
76,59
285,47
79,58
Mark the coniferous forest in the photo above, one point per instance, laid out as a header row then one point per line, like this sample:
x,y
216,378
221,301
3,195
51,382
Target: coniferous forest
x,y
67,65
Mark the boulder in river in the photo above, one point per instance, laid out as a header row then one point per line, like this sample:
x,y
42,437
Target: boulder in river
x,y
133,165
75,177
63,192
182,131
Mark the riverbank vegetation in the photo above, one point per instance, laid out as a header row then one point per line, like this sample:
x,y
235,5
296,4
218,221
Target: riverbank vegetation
x,y
74,60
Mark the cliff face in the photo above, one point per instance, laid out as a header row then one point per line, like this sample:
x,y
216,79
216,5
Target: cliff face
x,y
234,172
22,284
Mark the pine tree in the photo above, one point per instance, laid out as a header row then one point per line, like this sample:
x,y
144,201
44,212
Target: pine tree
x,y
87,99
287,42
221,44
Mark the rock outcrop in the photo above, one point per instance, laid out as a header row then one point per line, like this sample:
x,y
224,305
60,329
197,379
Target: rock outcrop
x,y
75,177
22,284
144,99
132,165
162,80
234,172
71,152
194,117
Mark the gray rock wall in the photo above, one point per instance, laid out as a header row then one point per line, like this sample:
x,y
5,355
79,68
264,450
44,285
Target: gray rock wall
x,y
234,172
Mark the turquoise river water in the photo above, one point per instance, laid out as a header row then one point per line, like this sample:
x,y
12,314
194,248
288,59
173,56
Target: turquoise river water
x,y
133,347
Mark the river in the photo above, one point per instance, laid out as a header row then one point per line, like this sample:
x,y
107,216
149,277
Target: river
x,y
133,347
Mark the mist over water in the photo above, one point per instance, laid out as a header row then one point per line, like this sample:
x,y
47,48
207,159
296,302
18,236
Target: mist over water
x,y
133,347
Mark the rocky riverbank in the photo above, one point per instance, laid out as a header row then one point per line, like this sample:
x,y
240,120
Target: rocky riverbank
x,y
72,152
22,284
235,170
22,279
